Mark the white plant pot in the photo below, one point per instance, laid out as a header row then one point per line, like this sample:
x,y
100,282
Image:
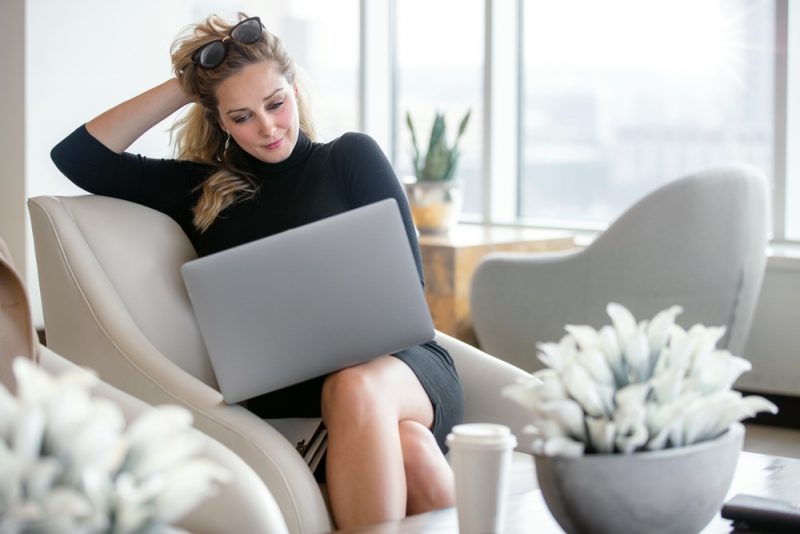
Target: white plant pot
x,y
435,206
676,490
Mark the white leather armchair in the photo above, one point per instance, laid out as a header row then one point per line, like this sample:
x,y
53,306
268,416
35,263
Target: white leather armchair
x,y
114,301
699,241
244,504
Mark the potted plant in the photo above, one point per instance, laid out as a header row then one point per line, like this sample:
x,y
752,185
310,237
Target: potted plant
x,y
635,426
434,193
69,462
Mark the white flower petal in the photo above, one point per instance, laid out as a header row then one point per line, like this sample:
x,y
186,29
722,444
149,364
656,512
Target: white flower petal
x,y
637,356
185,486
29,431
585,336
608,343
659,417
550,387
632,395
704,423
659,329
756,404
601,434
563,446
159,421
568,414
718,370
522,394
580,386
594,361
630,421
40,477
632,438
706,341
558,355
623,320
33,384
667,385
157,457
66,502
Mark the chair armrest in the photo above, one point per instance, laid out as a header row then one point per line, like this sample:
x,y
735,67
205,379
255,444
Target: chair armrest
x,y
483,378
519,299
244,504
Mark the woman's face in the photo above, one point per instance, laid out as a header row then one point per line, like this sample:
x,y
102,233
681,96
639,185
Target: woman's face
x,y
258,107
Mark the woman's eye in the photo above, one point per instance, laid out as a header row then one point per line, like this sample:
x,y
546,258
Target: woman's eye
x,y
275,105
239,120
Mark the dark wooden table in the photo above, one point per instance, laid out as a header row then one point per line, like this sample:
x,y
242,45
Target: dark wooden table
x,y
756,474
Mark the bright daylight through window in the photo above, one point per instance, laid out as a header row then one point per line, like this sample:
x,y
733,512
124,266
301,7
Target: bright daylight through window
x,y
440,68
621,96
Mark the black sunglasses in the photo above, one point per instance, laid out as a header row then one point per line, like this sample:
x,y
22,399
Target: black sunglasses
x,y
212,54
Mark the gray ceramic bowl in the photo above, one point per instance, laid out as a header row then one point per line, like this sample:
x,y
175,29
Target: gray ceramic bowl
x,y
668,491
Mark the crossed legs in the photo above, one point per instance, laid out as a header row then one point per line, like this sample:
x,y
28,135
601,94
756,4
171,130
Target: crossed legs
x,y
383,462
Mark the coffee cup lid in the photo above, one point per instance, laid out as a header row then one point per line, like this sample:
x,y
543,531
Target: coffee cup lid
x,y
482,435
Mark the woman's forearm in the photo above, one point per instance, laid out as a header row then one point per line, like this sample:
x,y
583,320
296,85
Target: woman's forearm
x,y
123,124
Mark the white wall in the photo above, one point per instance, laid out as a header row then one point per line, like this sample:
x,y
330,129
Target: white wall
x,y
12,128
80,58
774,343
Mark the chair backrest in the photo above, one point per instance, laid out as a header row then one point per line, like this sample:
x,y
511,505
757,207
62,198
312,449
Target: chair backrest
x,y
699,241
124,258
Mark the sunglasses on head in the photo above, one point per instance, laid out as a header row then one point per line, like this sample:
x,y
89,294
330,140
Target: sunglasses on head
x,y
212,54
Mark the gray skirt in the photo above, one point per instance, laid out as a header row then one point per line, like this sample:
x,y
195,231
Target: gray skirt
x,y
430,362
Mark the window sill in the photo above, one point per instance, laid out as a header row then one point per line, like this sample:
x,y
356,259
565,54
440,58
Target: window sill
x,y
781,256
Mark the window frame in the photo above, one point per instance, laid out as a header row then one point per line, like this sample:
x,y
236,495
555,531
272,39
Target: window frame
x,y
504,94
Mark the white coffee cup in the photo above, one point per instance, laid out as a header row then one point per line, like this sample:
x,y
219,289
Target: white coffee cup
x,y
480,454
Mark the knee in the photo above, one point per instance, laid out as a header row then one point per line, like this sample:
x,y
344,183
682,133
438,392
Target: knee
x,y
418,444
351,394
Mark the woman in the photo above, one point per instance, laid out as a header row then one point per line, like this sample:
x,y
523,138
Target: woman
x,y
248,168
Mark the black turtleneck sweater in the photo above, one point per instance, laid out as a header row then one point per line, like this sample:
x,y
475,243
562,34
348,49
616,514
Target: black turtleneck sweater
x,y
315,181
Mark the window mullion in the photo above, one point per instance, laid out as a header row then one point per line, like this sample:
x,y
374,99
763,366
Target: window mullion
x,y
377,101
791,176
501,114
779,218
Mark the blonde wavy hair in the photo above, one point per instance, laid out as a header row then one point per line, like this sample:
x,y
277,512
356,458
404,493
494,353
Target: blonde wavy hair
x,y
197,134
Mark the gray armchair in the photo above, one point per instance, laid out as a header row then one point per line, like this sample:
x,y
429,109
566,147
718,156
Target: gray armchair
x,y
114,300
699,241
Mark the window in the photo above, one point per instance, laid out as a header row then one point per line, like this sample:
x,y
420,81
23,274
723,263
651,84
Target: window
x,y
322,37
621,96
440,68
792,110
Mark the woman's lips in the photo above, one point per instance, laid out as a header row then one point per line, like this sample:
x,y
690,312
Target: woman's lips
x,y
274,145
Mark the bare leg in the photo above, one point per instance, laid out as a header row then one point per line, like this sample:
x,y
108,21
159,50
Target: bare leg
x,y
362,407
429,478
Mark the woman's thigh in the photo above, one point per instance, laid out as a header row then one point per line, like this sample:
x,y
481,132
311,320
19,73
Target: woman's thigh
x,y
385,381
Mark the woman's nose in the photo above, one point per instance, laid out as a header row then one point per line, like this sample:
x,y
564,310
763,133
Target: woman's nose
x,y
266,126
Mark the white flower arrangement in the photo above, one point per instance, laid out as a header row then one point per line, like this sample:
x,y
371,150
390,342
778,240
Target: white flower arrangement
x,y
69,464
632,387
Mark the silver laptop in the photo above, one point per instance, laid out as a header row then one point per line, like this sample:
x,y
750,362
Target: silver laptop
x,y
311,300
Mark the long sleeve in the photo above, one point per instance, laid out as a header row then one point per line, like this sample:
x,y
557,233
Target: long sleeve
x,y
370,177
162,184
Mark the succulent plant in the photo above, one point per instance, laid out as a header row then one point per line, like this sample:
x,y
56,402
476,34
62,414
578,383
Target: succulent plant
x,y
439,161
69,463
632,386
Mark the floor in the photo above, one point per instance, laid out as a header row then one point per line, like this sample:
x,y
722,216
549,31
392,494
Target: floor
x,y
772,440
